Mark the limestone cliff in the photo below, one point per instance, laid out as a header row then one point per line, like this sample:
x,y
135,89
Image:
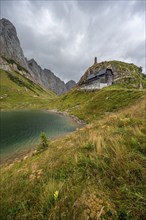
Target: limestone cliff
x,y
9,43
46,78
13,59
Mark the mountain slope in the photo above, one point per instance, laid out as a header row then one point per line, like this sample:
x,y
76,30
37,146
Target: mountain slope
x,y
46,78
70,84
17,91
97,170
10,45
12,53
92,105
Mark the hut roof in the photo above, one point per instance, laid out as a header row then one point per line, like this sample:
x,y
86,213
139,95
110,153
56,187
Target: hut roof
x,y
101,72
91,76
96,74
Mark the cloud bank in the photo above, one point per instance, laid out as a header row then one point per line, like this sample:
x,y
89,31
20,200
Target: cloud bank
x,y
65,36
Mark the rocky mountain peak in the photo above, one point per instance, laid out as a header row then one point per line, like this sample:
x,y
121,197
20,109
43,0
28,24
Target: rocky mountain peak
x,y
11,50
46,78
10,45
48,71
36,69
70,84
7,26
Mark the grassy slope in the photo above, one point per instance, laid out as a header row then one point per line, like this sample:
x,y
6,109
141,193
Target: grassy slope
x,y
91,106
19,92
98,170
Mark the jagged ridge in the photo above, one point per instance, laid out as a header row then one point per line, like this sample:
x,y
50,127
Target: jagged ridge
x,y
12,52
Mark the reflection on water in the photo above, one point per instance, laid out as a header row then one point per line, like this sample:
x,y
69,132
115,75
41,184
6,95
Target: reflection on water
x,y
20,130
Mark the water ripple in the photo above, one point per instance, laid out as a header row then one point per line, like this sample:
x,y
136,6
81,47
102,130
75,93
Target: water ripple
x,y
20,129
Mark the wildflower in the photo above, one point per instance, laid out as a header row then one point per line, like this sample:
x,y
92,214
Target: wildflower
x,y
56,195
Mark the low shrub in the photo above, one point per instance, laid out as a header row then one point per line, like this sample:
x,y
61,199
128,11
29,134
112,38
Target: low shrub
x,y
43,145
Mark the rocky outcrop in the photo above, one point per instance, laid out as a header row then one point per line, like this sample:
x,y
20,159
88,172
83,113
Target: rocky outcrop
x,y
122,72
9,43
4,65
46,78
36,70
70,84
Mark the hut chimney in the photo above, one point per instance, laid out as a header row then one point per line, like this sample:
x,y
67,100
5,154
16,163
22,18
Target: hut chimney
x,y
95,60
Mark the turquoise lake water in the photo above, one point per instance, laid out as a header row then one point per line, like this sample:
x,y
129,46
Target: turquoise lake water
x,y
20,130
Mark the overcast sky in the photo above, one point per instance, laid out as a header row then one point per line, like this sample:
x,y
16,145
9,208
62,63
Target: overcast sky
x,y
65,36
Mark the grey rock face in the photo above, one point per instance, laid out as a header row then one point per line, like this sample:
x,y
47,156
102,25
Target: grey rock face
x,y
9,43
10,49
46,78
36,71
54,83
70,84
4,65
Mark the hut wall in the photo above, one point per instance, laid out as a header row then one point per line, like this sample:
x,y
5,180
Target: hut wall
x,y
109,77
103,79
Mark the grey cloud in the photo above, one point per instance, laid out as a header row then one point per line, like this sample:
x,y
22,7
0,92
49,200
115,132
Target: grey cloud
x,y
137,52
64,36
138,7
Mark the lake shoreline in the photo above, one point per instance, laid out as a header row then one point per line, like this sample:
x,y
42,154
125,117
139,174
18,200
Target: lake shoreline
x,y
18,157
23,155
73,117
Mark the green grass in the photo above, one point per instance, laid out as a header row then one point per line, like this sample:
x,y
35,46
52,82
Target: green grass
x,y
19,92
92,105
97,170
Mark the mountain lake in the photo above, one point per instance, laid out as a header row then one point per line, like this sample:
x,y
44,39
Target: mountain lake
x,y
20,130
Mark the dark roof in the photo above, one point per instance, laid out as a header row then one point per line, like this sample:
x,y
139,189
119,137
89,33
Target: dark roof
x,y
101,72
97,74
91,76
